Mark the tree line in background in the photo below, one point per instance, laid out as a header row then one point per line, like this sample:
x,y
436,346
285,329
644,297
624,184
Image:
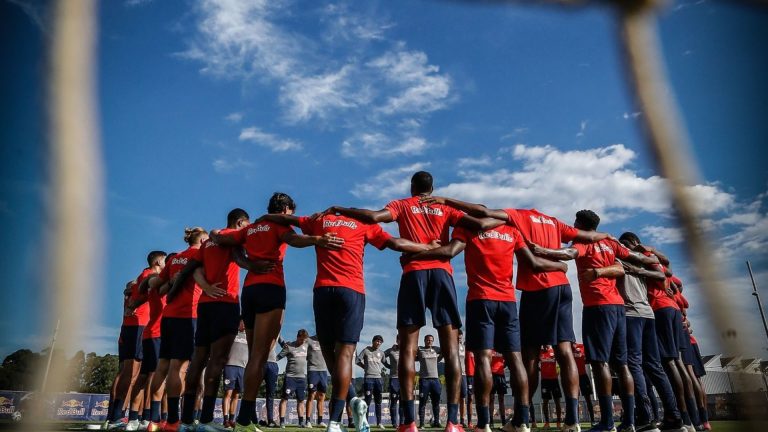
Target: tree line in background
x,y
87,373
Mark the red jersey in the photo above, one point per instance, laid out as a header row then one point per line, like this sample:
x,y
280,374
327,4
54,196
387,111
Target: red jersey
x,y
693,339
681,301
263,240
469,363
184,303
497,363
220,267
488,260
547,232
657,290
423,223
128,320
343,267
140,315
156,304
548,364
601,291
581,359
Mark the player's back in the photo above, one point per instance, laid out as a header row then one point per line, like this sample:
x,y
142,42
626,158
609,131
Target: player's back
x,y
219,266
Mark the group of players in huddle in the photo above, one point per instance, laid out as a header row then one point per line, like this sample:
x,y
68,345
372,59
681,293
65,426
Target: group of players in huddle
x,y
633,321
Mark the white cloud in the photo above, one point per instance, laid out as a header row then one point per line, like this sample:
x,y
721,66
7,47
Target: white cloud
x,y
388,184
374,145
423,88
660,235
134,3
224,165
271,141
472,162
348,26
234,117
582,128
633,115
306,97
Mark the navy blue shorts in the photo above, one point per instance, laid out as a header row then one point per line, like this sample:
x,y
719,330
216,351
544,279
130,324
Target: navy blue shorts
x,y
430,387
686,351
394,386
667,322
270,378
546,316
295,387
604,329
129,344
470,385
351,391
585,385
339,314
464,387
698,363
493,325
216,320
685,337
499,385
179,343
234,378
260,298
550,389
373,386
431,289
151,353
317,381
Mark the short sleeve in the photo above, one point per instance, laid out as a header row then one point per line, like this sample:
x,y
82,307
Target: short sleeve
x,y
460,234
376,236
454,216
581,248
239,235
394,208
519,241
514,217
165,273
620,251
282,229
567,232
307,225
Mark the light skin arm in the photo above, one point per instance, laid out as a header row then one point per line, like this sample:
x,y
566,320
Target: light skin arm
x,y
363,215
223,239
475,210
163,289
538,264
562,254
212,290
182,276
327,240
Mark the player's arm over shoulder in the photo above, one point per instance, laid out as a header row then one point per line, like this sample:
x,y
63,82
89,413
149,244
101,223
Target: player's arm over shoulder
x,y
364,215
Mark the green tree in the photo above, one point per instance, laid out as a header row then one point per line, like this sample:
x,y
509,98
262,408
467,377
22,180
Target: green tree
x,y
98,373
18,370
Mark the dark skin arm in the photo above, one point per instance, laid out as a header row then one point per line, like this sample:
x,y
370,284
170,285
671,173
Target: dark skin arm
x,y
639,258
407,246
282,219
613,271
481,224
327,240
662,258
475,210
363,215
441,253
539,265
562,254
642,272
181,277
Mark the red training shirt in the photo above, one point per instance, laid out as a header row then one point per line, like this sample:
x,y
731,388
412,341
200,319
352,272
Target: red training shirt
x,y
156,304
488,259
219,266
140,315
548,364
581,359
657,290
469,363
423,223
547,232
263,240
601,291
184,303
343,267
497,363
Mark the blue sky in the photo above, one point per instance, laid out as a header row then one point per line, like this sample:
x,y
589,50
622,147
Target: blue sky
x,y
213,105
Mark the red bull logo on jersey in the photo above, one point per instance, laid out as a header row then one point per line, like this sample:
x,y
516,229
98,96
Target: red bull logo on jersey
x,y
179,261
433,211
542,220
258,229
495,235
6,405
339,223
71,408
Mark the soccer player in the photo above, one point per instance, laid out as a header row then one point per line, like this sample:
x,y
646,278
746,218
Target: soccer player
x,y
428,357
499,386
150,347
339,295
391,360
295,382
469,366
667,319
179,320
130,354
546,316
550,386
115,382
218,318
423,285
317,381
692,390
371,359
698,372
642,344
233,376
603,319
585,384
464,389
264,293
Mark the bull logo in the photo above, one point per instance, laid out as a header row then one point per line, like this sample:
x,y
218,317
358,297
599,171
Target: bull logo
x,y
102,404
5,402
72,403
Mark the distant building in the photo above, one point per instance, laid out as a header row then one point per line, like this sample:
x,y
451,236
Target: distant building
x,y
733,374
